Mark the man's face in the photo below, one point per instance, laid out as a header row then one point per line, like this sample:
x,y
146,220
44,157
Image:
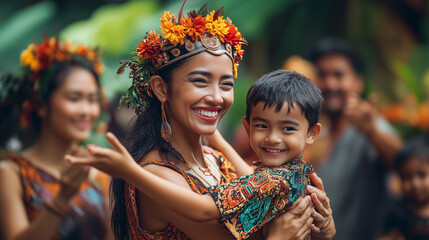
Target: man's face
x,y
337,80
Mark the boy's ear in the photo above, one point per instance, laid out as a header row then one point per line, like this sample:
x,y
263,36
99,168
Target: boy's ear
x,y
246,125
159,87
313,133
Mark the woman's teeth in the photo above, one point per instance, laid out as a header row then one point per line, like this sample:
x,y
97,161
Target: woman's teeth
x,y
207,113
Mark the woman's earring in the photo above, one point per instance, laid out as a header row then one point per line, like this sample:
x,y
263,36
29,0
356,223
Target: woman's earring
x,y
165,126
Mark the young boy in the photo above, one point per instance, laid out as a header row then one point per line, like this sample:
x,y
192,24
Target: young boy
x,y
409,219
281,118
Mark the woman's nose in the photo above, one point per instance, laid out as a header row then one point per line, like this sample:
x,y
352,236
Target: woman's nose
x,y
215,96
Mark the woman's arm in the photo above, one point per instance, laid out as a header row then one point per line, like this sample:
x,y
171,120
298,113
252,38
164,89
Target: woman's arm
x,y
324,225
218,142
14,223
119,163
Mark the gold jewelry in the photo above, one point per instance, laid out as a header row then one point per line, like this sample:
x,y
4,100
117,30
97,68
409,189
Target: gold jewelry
x,y
224,177
197,173
166,131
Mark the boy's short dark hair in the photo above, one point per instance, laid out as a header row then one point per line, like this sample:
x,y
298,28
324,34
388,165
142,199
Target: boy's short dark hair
x,y
416,147
282,86
336,45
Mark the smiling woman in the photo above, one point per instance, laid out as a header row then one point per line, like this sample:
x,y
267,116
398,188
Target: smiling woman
x,y
42,196
182,86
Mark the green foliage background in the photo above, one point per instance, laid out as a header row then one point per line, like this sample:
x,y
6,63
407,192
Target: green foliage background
x,y
392,36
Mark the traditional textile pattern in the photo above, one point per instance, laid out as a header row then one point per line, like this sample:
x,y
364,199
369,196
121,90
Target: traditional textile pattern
x,y
249,202
86,218
170,232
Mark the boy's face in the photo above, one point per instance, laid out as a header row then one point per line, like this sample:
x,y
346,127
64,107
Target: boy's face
x,y
415,180
278,137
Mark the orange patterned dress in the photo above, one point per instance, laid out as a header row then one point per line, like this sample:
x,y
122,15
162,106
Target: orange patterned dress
x,y
87,215
170,232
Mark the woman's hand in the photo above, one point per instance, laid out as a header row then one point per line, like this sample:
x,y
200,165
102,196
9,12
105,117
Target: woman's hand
x,y
115,162
294,223
324,226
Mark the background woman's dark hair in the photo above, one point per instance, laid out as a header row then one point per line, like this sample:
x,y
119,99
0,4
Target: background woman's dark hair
x,y
415,147
144,137
51,80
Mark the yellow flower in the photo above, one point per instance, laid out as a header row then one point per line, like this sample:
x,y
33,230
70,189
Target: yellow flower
x,y
29,59
166,17
173,33
218,28
209,17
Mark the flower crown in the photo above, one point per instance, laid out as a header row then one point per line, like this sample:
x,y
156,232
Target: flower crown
x,y
182,37
41,57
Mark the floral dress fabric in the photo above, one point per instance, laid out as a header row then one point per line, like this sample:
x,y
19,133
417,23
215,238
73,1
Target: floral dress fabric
x,y
87,215
249,202
170,232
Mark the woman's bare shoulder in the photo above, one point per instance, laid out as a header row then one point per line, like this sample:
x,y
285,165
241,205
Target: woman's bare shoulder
x,y
163,171
9,166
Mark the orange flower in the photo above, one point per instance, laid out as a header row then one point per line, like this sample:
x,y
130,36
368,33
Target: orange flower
x,y
153,38
194,27
98,67
395,113
81,50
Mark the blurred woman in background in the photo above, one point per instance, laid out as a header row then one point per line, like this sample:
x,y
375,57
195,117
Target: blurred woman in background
x,y
42,196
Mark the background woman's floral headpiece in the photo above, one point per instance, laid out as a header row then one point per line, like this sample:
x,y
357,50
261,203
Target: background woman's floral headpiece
x,y
25,89
182,37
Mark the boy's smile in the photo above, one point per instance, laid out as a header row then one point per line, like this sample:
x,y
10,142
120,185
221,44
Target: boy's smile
x,y
278,136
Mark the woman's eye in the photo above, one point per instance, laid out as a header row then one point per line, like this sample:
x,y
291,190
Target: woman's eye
x,y
198,80
229,84
93,99
73,99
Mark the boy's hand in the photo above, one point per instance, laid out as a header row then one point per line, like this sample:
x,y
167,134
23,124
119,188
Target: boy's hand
x,y
215,140
115,161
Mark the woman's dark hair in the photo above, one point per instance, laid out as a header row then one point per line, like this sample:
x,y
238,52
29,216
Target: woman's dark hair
x,y
143,138
415,147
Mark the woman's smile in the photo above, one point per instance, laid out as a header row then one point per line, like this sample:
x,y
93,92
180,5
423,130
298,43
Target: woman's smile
x,y
208,114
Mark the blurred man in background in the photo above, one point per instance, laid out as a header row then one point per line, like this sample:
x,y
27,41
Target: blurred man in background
x,y
356,148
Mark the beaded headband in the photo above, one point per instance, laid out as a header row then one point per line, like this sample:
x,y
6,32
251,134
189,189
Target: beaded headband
x,y
183,37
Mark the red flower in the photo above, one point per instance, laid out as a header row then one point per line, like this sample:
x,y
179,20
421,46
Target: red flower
x,y
234,36
43,53
150,47
149,51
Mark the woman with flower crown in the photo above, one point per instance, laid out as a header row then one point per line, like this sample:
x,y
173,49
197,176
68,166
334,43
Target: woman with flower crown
x,y
182,87
41,195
